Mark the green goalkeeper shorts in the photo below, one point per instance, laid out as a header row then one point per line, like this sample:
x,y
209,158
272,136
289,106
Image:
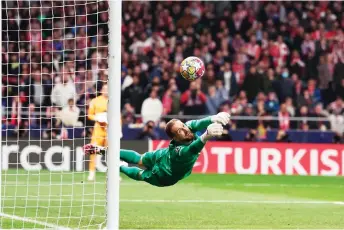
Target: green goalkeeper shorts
x,y
148,160
151,178
152,174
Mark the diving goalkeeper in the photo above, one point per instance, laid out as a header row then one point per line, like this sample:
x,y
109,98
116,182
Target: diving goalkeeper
x,y
167,166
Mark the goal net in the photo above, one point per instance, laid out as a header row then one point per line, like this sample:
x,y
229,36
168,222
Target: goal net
x,y
54,63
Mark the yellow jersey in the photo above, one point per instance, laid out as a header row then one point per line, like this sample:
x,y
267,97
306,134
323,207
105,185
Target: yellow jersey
x,y
97,105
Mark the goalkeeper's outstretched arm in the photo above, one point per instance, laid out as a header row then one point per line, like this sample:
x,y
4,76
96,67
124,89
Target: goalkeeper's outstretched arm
x,y
213,130
200,125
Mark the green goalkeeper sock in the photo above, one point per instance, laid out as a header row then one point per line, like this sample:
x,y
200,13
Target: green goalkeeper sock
x,y
132,172
130,156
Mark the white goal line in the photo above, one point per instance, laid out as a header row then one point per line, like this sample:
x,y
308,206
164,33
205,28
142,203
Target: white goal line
x,y
315,202
28,220
235,201
87,183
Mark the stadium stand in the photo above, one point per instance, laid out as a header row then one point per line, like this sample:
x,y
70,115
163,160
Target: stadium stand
x,y
276,66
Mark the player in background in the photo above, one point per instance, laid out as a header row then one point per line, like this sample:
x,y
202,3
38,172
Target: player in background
x,y
98,112
167,166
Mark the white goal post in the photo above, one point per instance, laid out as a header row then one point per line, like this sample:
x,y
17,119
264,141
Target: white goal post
x,y
57,58
114,131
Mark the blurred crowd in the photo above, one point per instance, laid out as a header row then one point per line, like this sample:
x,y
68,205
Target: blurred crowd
x,y
54,61
273,60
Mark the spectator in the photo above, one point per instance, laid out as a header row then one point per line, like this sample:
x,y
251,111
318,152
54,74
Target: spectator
x,y
305,99
290,106
229,78
52,124
172,98
269,82
282,136
251,136
298,86
126,79
338,139
63,90
320,113
32,117
286,86
338,73
193,100
16,111
214,100
272,104
152,108
260,108
340,89
239,67
337,106
309,71
155,83
253,49
241,102
133,94
237,42
148,132
302,124
322,45
223,93
14,65
252,84
325,77
297,65
209,79
283,51
70,114
128,114
337,121
308,45
248,112
283,118
314,92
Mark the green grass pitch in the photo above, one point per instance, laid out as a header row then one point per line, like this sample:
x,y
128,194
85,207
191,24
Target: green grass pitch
x,y
198,202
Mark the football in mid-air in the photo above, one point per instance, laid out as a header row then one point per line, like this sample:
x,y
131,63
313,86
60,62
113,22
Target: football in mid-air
x,y
192,68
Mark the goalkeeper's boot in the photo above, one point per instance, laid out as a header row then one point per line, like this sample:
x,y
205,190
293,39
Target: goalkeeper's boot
x,y
122,163
91,176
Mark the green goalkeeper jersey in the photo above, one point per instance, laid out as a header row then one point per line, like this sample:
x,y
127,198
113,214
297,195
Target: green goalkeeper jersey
x,y
176,162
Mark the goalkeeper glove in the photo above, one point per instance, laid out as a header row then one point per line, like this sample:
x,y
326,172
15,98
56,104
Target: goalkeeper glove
x,y
94,149
221,118
101,117
213,130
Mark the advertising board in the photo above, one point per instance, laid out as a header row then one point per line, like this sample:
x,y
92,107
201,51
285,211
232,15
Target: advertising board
x,y
268,158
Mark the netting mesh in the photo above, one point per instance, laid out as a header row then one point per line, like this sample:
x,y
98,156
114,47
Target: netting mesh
x,y
54,62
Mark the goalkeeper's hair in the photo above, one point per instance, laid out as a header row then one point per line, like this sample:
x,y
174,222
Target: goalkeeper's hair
x,y
168,128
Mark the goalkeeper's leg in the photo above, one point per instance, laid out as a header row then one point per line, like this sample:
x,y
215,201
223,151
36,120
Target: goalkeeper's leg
x,y
98,139
141,175
130,156
131,172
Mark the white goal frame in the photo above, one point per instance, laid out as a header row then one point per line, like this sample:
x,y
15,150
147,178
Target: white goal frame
x,y
114,106
114,126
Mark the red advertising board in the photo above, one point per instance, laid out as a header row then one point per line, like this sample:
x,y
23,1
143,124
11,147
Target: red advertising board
x,y
268,158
